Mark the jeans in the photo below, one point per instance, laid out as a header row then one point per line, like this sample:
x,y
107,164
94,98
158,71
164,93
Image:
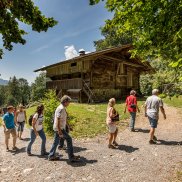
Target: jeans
x,y
61,141
68,139
132,119
32,140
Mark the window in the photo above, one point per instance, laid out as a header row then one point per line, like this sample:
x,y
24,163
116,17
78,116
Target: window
x,y
111,78
73,64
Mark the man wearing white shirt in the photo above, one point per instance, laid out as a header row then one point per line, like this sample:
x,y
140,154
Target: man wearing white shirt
x,y
60,122
152,106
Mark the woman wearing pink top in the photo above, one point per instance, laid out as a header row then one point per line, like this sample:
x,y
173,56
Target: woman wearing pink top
x,y
113,130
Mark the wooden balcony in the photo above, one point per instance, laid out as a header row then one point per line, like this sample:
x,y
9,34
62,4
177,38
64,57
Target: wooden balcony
x,y
76,83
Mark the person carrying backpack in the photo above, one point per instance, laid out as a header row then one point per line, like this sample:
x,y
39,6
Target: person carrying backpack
x,y
131,105
37,130
21,118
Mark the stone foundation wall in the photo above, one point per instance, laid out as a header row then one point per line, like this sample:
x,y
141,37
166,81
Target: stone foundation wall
x,y
105,94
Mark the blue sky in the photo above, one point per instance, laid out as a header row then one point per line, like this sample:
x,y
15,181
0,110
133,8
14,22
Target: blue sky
x,y
78,25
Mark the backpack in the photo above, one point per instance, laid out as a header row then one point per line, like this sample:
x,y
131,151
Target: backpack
x,y
30,119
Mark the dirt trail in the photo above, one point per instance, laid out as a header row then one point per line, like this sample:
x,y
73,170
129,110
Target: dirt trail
x,y
134,161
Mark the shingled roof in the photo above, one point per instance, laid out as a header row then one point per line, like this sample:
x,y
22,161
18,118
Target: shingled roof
x,y
98,53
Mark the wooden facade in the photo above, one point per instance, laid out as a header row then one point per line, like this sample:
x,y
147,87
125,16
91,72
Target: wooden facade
x,y
97,76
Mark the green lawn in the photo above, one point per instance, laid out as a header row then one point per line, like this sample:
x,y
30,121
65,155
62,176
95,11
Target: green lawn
x,y
88,120
174,101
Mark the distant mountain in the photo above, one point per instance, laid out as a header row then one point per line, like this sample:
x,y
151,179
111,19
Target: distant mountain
x,y
3,82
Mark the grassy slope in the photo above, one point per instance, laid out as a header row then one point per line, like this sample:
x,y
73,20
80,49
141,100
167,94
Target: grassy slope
x,y
175,102
89,119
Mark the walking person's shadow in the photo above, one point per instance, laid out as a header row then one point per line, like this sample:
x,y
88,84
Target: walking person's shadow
x,y
82,162
170,143
128,149
142,130
18,151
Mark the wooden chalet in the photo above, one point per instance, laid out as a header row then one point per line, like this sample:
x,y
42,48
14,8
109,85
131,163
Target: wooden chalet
x,y
97,76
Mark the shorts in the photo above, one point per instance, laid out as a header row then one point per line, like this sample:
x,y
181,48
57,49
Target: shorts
x,y
112,128
21,126
153,122
8,132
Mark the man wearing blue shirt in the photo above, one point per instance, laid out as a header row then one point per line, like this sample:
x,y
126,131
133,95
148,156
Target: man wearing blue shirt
x,y
9,127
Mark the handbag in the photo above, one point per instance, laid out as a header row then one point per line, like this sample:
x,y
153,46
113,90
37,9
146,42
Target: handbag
x,y
115,118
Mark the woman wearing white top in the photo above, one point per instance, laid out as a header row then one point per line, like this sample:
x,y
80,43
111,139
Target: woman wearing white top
x,y
37,130
20,119
113,130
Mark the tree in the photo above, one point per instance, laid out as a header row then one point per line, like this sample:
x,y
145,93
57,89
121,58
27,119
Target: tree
x,y
155,27
14,11
112,39
13,93
24,91
38,88
3,91
164,75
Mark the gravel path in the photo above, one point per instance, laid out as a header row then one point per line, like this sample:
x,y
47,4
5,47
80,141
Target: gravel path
x,y
135,160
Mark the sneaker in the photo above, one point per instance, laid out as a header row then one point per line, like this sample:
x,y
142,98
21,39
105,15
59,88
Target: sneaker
x,y
14,149
45,153
111,147
55,158
29,153
132,129
75,158
155,138
7,149
115,143
152,142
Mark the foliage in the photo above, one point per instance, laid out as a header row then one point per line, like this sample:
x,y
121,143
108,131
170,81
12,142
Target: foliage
x,y
12,12
13,94
50,103
3,90
155,27
162,96
111,39
17,91
164,75
38,88
24,91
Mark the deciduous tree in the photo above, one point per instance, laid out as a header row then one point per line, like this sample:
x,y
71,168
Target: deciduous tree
x,y
155,26
12,12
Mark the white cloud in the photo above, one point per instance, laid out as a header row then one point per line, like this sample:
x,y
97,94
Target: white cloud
x,y
70,52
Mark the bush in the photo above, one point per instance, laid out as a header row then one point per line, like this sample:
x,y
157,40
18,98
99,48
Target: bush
x,y
50,103
162,96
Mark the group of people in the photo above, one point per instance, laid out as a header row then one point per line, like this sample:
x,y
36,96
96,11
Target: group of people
x,y
152,106
61,127
11,118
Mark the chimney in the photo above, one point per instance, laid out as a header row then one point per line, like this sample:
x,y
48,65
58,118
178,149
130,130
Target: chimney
x,y
81,52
